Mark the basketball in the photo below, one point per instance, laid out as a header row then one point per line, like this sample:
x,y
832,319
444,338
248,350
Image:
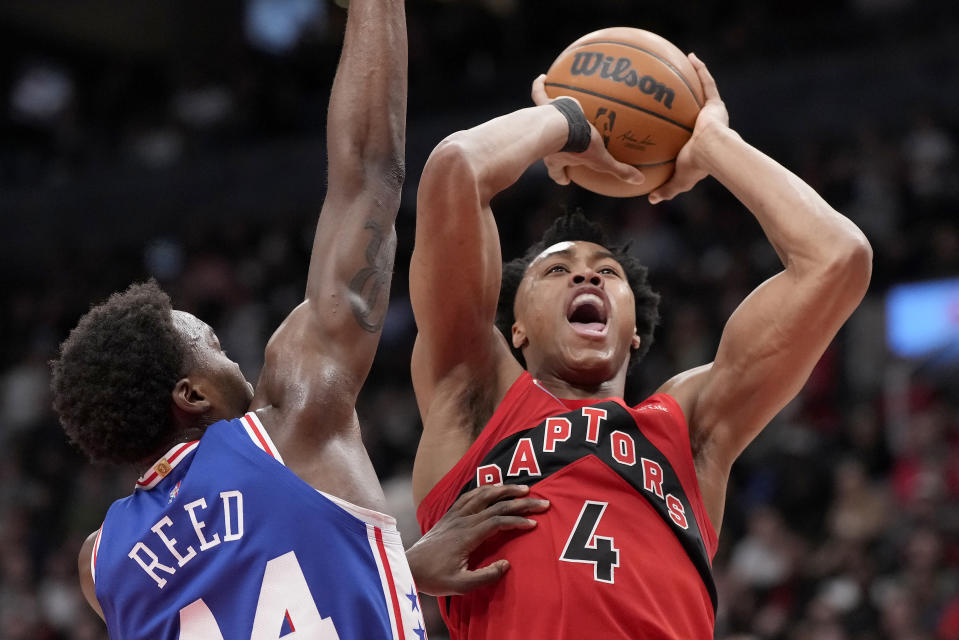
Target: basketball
x,y
642,94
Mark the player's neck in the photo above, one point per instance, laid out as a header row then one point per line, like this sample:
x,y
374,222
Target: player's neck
x,y
580,389
180,436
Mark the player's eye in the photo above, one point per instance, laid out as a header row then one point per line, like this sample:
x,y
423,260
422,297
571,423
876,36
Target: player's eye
x,y
609,271
558,268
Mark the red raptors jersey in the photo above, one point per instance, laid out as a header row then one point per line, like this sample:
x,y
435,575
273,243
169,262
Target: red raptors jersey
x,y
624,550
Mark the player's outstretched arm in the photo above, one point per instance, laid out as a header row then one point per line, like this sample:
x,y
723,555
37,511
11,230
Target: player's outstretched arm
x,y
440,559
318,359
775,337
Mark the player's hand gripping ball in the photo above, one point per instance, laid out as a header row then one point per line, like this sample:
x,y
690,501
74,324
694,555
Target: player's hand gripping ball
x,y
642,94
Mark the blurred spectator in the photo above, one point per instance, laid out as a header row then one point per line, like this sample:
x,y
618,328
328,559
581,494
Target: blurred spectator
x,y
859,510
930,154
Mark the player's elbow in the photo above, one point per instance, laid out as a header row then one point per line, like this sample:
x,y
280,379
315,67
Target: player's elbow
x,y
450,174
453,158
851,264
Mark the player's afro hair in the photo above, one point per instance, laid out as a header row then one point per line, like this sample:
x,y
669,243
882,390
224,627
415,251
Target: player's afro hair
x,y
576,227
113,380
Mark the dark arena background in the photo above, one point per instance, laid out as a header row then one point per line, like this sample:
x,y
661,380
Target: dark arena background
x,y
185,141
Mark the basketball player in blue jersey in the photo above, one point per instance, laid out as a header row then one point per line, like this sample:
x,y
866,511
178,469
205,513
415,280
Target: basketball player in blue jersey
x,y
258,514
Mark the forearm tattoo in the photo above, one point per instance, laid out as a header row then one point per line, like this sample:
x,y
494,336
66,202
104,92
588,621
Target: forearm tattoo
x,y
370,287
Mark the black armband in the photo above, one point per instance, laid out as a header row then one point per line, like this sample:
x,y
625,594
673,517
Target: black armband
x,y
579,131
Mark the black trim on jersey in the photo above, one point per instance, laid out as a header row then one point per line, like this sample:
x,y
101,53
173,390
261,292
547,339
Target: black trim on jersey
x,y
577,447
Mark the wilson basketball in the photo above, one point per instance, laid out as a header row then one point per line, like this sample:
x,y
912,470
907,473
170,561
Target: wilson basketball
x,y
642,94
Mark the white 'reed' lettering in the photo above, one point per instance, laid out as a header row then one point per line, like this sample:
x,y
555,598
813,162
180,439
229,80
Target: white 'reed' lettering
x,y
170,543
153,564
199,526
236,519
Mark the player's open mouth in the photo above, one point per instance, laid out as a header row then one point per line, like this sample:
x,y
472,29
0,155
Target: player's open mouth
x,y
587,314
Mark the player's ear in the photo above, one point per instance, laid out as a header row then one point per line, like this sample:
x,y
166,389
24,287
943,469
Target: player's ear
x,y
519,335
188,396
635,341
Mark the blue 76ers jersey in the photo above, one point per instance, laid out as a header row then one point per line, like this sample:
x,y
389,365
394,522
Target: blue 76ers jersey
x,y
220,541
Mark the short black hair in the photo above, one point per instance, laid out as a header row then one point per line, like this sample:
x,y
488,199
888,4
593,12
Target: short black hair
x,y
115,373
570,227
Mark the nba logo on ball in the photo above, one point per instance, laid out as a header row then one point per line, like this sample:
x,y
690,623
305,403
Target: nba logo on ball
x,y
640,92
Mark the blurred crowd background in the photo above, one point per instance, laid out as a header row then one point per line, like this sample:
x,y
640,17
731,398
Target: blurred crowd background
x,y
184,141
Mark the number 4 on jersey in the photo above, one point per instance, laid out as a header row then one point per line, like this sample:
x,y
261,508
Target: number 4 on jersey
x,y
585,546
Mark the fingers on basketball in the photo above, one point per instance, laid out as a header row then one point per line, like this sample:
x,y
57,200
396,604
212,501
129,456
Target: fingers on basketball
x,y
705,77
539,90
641,92
557,172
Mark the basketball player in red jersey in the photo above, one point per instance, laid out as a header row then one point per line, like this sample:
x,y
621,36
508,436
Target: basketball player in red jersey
x,y
636,493
141,384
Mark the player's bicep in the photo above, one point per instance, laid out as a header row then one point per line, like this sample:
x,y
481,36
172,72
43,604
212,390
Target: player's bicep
x,y
351,264
767,350
347,289
348,285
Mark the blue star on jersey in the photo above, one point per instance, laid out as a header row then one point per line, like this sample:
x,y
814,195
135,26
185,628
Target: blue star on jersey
x,y
414,601
415,606
420,631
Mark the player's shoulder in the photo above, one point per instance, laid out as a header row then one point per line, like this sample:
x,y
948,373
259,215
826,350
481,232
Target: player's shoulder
x,y
688,381
686,387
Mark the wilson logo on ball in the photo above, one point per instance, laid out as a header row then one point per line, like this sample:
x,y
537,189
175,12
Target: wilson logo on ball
x,y
587,63
642,94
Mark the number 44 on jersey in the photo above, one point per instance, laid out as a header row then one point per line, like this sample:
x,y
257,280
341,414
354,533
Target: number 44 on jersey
x,y
284,595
